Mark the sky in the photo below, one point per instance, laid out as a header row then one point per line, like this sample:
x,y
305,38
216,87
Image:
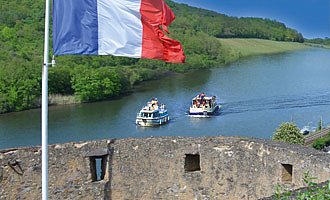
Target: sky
x,y
309,17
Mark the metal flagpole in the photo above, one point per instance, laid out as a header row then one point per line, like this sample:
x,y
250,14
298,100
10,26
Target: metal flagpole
x,y
44,109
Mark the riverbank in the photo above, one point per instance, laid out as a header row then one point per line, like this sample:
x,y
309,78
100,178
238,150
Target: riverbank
x,y
231,50
234,49
317,45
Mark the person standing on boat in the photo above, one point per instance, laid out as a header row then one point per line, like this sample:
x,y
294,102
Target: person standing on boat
x,y
154,103
202,95
198,104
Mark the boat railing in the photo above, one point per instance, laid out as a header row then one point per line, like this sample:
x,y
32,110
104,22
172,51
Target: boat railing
x,y
162,106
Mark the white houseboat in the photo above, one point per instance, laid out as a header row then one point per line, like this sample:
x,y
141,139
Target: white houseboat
x,y
202,105
153,114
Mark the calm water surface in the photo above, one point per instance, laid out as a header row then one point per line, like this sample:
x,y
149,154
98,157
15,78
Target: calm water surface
x,y
256,94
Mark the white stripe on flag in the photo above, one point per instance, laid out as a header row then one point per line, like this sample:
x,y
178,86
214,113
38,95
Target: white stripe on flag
x,y
119,28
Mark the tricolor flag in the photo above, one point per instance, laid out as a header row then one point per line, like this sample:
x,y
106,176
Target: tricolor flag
x,y
131,28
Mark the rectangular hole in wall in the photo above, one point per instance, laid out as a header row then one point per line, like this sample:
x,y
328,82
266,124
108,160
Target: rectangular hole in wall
x,y
98,167
192,163
287,172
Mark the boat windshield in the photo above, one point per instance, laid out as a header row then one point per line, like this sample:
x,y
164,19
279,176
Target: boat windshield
x,y
146,115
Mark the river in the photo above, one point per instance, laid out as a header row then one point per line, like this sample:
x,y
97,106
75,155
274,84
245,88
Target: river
x,y
256,94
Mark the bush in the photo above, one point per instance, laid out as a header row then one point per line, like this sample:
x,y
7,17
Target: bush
x,y
288,132
321,143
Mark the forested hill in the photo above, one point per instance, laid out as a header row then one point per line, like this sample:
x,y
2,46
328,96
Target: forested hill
x,y
92,78
223,26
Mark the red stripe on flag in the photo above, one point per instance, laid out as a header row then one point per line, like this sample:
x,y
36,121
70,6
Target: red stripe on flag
x,y
155,44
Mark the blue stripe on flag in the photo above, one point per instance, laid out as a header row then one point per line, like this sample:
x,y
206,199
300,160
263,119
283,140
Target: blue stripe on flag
x,y
75,27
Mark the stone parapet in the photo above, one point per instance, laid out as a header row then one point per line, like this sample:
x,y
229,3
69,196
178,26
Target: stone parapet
x,y
161,168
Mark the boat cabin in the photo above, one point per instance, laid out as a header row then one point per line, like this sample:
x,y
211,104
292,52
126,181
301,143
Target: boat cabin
x,y
205,102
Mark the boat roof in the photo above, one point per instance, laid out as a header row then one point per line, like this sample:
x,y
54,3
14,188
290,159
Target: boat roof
x,y
206,98
146,110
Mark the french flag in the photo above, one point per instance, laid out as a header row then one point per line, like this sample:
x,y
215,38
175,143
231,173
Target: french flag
x,y
130,28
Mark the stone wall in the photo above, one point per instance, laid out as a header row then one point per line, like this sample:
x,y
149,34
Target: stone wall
x,y
69,172
161,168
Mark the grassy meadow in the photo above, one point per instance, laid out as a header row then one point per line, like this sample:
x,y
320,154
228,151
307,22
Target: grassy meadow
x,y
239,48
326,46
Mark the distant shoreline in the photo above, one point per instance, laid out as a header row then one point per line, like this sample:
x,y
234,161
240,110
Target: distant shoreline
x,y
317,45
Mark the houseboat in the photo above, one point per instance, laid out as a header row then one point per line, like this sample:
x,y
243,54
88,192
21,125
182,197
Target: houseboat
x,y
153,114
202,105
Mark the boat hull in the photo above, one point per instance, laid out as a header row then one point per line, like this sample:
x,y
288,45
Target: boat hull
x,y
145,121
204,112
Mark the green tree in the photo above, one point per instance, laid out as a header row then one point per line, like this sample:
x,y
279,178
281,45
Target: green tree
x,y
288,132
59,81
95,84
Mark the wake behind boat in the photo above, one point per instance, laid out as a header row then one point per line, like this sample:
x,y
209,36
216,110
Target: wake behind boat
x,y
202,105
153,114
